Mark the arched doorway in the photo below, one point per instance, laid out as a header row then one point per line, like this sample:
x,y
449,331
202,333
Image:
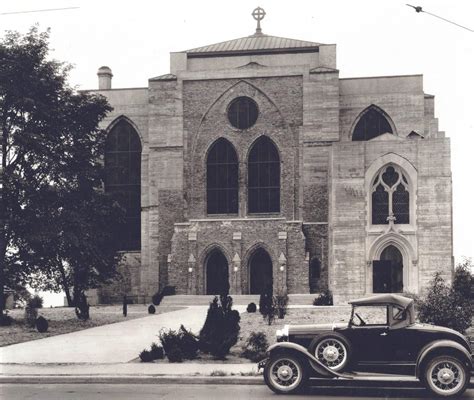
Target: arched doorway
x,y
217,274
261,273
388,271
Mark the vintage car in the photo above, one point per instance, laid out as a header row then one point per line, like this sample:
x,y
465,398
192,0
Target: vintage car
x,y
380,341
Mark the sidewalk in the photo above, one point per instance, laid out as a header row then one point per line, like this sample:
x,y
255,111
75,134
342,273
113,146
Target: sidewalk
x,y
131,373
103,354
114,343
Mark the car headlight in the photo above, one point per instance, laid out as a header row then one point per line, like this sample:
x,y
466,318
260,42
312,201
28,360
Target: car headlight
x,y
282,334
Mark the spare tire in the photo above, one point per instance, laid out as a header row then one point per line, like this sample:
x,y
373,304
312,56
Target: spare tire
x,y
333,350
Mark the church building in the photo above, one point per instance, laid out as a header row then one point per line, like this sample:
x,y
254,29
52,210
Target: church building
x,y
253,166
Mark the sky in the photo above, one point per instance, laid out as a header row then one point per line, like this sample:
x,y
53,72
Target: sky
x,y
373,37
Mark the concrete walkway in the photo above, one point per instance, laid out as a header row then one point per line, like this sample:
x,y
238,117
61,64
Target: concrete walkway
x,y
108,344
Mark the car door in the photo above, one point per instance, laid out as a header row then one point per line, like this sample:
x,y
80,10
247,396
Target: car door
x,y
369,337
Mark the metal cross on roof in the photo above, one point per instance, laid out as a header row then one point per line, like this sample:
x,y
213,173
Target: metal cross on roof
x,y
258,14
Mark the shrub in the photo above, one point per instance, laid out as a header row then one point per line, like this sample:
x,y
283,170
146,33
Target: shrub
x,y
145,356
5,320
268,307
156,298
324,299
35,302
444,306
41,324
166,291
251,308
281,303
463,282
221,328
30,316
266,299
157,352
180,345
255,346
151,309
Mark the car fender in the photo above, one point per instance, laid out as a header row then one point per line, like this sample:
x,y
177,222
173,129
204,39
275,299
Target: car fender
x,y
289,346
432,347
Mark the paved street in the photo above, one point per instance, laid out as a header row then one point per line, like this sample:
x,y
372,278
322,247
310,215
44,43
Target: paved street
x,y
205,392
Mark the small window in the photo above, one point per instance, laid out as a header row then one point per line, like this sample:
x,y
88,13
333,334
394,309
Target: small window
x,y
398,313
242,112
370,315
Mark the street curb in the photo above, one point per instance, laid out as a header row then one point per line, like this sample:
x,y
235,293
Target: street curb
x,y
132,379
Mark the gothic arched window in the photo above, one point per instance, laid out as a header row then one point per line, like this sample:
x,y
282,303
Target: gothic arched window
x,y
122,178
264,177
371,124
390,197
222,178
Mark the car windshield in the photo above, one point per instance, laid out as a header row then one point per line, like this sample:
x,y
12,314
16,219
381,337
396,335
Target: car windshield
x,y
369,315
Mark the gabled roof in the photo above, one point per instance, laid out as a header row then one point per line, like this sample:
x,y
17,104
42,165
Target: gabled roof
x,y
254,44
165,77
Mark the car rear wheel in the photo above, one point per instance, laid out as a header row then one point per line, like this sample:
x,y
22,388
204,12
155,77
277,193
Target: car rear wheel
x,y
446,376
333,351
285,373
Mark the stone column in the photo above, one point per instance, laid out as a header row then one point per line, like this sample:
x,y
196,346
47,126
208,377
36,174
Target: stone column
x,y
236,287
282,286
236,284
191,289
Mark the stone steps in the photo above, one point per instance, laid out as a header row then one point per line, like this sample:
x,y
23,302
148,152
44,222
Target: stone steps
x,y
242,300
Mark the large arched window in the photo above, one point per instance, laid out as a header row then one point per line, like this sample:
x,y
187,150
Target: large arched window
x,y
390,197
122,179
371,124
263,177
222,178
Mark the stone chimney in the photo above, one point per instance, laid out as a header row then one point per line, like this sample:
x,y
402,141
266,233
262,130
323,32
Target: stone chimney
x,y
105,78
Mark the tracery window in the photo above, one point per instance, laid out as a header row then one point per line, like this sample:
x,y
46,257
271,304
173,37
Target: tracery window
x,y
222,178
264,177
371,124
390,197
122,178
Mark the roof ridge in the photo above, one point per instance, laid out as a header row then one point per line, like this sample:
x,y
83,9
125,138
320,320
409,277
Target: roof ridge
x,y
253,42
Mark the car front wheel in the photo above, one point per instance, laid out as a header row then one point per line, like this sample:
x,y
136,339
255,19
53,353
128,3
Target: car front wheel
x,y
446,376
285,373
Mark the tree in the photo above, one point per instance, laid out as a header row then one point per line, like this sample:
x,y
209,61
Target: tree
x,y
445,306
57,225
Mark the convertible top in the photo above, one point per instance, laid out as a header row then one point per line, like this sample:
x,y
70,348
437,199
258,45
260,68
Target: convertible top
x,y
383,298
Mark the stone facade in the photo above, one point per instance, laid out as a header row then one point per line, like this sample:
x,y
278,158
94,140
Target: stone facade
x,y
326,178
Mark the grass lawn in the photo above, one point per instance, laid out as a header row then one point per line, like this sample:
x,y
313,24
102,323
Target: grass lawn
x,y
254,322
63,320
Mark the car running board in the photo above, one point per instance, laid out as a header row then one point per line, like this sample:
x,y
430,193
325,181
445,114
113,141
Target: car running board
x,y
365,376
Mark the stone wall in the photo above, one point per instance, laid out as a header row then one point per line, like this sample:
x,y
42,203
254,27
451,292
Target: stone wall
x,y
238,239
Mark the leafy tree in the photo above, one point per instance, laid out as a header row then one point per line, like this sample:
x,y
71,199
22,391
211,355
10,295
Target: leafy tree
x,y
444,306
57,226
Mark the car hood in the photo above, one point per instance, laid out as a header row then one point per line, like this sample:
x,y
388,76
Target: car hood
x,y
312,328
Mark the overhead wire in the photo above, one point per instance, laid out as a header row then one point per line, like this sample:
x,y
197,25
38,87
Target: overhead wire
x,y
41,10
419,9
